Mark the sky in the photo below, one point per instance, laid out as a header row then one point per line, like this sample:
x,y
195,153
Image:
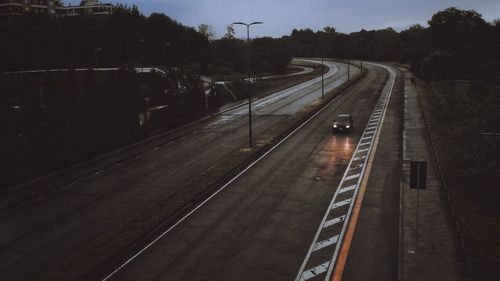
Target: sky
x,y
280,17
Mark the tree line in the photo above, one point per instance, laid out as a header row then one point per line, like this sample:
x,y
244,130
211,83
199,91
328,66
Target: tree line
x,y
125,38
457,44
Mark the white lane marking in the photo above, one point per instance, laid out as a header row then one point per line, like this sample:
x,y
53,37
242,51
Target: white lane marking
x,y
325,243
313,272
334,221
374,147
220,189
362,150
359,158
355,167
342,203
346,189
387,92
156,148
351,177
73,182
98,172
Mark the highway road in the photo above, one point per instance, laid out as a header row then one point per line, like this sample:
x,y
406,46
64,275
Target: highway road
x,y
270,222
81,223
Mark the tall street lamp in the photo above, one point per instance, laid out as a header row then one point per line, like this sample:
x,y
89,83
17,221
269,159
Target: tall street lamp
x,y
322,78
248,77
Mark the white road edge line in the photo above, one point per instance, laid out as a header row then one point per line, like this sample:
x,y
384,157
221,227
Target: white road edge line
x,y
375,141
315,239
219,190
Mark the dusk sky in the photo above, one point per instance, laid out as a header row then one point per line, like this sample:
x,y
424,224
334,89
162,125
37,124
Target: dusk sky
x,y
280,17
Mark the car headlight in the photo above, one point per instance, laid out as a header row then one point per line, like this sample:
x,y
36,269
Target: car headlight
x,y
335,126
347,126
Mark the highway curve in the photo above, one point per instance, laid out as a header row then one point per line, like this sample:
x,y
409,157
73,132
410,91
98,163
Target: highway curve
x,y
77,224
260,226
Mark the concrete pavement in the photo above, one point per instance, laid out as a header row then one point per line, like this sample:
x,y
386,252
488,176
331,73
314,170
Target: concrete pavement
x,y
431,252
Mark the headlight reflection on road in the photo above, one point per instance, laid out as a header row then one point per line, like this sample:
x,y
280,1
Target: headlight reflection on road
x,y
342,146
348,146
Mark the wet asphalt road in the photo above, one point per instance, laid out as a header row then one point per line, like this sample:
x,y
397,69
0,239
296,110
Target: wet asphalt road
x,y
261,226
64,232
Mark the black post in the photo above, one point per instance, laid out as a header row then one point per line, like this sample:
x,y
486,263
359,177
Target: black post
x,y
322,79
249,90
249,80
418,180
348,70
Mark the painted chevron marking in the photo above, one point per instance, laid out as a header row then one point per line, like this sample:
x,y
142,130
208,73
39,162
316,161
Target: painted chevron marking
x,y
342,203
313,272
355,176
346,189
359,158
325,243
334,221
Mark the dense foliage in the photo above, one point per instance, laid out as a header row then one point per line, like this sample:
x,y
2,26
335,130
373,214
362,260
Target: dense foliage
x,y
126,37
457,44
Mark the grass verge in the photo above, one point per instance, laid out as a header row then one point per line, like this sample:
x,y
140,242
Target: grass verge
x,y
459,113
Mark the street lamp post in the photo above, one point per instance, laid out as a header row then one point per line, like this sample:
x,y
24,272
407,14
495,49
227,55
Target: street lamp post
x,y
248,77
96,54
348,69
322,79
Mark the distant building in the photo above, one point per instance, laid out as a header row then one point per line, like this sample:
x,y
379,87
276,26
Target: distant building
x,y
86,7
55,8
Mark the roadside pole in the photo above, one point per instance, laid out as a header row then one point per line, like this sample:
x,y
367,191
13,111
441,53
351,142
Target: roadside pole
x,y
418,180
348,70
322,79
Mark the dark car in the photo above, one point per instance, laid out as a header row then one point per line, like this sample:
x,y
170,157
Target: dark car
x,y
343,123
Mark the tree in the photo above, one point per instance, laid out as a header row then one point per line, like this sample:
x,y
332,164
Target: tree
x,y
329,29
228,54
438,66
229,32
464,35
207,31
269,55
